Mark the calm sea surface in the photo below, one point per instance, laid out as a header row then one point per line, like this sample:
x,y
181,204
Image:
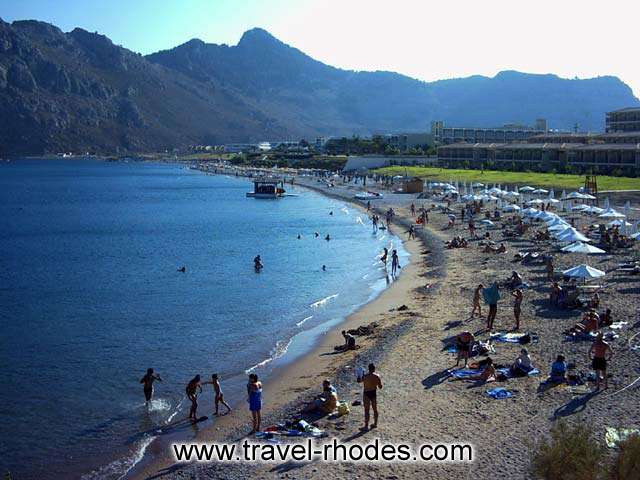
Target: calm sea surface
x,y
90,297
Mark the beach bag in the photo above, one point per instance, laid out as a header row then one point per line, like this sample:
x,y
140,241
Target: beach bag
x,y
343,408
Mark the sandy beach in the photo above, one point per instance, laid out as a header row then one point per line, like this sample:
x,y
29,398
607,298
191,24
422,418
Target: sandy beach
x,y
419,403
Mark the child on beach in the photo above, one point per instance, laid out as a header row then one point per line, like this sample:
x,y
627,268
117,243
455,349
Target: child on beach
x,y
254,397
395,263
384,256
148,380
476,301
192,394
217,393
517,306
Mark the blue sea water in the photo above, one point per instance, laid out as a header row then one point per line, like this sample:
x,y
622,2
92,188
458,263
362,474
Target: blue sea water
x,y
90,297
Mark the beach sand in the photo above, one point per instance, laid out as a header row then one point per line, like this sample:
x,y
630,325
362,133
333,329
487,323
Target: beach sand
x,y
419,404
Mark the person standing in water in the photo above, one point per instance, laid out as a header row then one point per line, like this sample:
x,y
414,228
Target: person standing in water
x,y
192,394
384,256
218,396
395,262
371,382
257,263
254,397
147,382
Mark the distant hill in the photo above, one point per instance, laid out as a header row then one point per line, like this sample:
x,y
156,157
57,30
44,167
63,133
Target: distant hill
x,y
78,91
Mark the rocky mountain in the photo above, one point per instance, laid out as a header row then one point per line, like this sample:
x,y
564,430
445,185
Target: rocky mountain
x,y
77,91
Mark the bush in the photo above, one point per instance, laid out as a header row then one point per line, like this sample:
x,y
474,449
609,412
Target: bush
x,y
572,453
626,464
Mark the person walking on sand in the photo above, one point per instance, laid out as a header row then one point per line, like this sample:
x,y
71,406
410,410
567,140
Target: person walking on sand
x,y
147,382
370,383
374,221
395,263
192,394
413,210
476,301
600,353
517,306
412,233
218,396
254,397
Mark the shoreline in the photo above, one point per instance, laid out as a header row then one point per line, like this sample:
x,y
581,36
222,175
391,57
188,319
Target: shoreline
x,y
288,383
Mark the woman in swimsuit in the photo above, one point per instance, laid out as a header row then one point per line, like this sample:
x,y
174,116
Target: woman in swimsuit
x,y
148,380
254,397
517,306
476,301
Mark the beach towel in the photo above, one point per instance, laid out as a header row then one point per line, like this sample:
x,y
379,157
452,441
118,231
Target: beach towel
x,y
613,436
453,348
618,325
491,295
500,393
509,374
510,337
465,372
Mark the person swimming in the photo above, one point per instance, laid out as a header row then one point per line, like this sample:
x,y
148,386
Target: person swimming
x,y
324,268
327,238
257,263
182,269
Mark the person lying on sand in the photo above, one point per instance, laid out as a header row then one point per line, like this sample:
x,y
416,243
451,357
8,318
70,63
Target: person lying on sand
x,y
590,323
487,375
326,402
349,340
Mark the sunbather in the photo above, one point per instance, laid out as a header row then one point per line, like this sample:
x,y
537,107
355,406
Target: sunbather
x,y
326,402
559,370
487,375
523,365
590,323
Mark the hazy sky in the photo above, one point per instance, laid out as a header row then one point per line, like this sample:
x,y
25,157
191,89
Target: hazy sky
x,y
425,39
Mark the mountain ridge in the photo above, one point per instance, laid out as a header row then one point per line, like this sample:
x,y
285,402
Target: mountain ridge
x,y
79,91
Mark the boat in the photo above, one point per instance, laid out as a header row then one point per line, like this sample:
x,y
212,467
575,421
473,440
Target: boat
x,y
267,188
368,196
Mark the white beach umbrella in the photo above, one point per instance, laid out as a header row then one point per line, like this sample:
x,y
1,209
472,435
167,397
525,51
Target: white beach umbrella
x,y
560,227
535,201
580,247
530,212
478,185
570,234
574,196
583,271
580,208
540,191
588,196
527,189
511,208
487,222
553,201
611,213
594,210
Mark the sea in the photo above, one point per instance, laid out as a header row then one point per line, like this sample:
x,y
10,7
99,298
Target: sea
x,y
91,296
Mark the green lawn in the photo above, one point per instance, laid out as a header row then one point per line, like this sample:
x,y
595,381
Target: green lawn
x,y
555,180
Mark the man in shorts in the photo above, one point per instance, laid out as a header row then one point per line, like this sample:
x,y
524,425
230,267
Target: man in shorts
x,y
600,353
370,384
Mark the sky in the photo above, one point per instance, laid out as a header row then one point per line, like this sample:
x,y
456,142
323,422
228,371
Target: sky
x,y
425,39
